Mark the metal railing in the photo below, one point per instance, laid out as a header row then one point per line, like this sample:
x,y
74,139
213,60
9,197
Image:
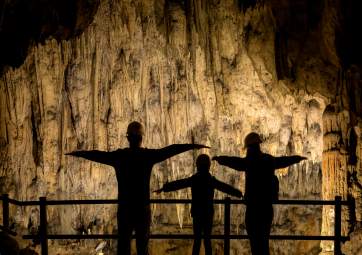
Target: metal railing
x,y
43,236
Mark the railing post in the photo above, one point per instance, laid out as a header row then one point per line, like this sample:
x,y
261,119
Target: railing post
x,y
337,226
5,199
227,226
43,226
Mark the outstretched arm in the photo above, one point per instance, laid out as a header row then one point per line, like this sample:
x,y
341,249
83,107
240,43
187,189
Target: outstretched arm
x,y
174,149
94,155
282,162
226,188
236,163
176,185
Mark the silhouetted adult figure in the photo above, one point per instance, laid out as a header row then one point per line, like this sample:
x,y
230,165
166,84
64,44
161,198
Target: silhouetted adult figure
x,y
261,189
133,167
202,186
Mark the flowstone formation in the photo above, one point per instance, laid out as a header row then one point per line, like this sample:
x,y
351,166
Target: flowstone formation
x,y
191,71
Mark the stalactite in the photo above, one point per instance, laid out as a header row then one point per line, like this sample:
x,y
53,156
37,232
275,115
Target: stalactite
x,y
334,169
340,156
195,81
281,58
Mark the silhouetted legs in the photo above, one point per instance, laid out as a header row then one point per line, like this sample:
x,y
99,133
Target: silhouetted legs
x,y
124,232
138,220
258,220
142,228
202,225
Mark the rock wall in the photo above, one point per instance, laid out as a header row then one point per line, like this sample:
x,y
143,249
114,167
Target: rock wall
x,y
203,71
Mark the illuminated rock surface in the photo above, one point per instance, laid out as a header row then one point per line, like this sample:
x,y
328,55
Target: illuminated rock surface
x,y
203,71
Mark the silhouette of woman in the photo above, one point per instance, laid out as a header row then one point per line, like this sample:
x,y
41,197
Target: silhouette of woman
x,y
261,189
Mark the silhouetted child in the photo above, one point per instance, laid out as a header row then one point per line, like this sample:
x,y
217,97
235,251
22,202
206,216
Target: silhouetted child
x,y
202,186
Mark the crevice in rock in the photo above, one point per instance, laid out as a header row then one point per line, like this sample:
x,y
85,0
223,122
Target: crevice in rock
x,y
37,141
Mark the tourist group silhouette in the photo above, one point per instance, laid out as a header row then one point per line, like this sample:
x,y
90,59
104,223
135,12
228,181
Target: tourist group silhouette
x,y
133,166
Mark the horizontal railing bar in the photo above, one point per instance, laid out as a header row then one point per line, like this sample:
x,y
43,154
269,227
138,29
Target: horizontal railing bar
x,y
186,236
15,202
81,202
308,202
168,201
28,203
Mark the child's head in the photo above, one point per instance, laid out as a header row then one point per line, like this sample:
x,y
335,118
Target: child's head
x,y
203,163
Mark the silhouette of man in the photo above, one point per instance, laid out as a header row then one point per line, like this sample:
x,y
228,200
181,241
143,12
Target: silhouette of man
x,y
202,186
261,189
133,167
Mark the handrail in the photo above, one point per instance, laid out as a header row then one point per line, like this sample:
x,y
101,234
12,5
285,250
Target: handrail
x,y
166,201
185,236
43,236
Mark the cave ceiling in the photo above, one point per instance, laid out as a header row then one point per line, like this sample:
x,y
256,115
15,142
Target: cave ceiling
x,y
298,28
27,22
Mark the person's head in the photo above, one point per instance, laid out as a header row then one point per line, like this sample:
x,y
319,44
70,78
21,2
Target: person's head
x,y
203,163
135,134
252,142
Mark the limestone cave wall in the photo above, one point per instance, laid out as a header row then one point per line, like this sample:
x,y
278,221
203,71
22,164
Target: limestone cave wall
x,y
191,71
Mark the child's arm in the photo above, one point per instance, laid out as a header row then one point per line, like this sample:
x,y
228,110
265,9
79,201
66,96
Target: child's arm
x,y
226,188
175,185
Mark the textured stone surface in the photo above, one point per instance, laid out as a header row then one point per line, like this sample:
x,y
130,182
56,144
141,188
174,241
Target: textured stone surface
x,y
203,71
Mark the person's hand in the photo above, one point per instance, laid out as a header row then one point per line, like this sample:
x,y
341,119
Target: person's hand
x,y
240,194
201,146
216,158
158,191
302,158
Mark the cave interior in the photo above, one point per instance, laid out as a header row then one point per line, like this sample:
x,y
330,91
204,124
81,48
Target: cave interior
x,y
74,73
